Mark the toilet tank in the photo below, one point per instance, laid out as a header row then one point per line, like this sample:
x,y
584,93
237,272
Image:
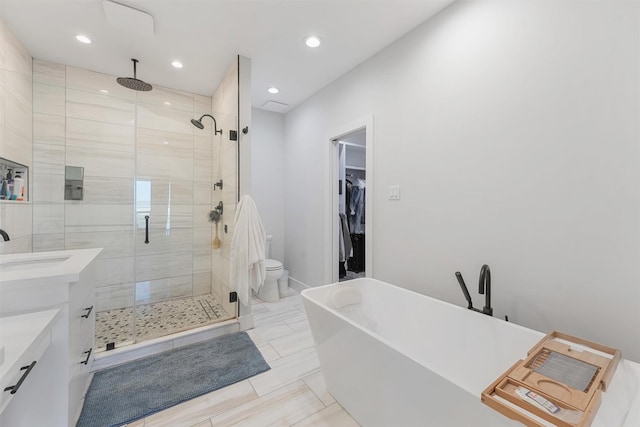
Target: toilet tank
x,y
268,246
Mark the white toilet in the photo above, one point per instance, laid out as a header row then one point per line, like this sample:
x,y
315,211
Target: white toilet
x,y
269,290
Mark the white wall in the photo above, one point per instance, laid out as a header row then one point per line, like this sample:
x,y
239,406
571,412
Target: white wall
x,y
513,130
267,171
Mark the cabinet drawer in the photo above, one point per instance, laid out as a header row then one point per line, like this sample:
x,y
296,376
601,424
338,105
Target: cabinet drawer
x,y
78,294
22,370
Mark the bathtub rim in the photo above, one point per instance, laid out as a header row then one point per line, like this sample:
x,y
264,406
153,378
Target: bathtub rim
x,y
385,341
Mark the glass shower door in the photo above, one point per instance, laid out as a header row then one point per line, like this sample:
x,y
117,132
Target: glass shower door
x,y
164,200
173,286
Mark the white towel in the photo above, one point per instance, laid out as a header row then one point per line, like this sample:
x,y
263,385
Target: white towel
x,y
247,250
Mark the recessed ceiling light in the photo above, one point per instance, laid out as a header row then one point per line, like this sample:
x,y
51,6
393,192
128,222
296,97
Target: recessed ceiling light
x,y
273,90
166,142
177,64
167,103
104,91
83,39
312,41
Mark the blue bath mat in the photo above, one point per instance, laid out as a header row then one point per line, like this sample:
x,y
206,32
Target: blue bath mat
x,y
140,388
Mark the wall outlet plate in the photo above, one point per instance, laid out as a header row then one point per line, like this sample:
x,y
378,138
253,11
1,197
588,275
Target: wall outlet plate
x,y
394,192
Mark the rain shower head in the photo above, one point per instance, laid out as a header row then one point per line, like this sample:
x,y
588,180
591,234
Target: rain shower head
x,y
199,125
133,82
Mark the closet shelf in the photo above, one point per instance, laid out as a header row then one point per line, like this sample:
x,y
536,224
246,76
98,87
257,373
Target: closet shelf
x,y
355,168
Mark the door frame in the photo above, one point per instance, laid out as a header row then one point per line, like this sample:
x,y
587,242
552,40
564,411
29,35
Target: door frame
x,y
331,224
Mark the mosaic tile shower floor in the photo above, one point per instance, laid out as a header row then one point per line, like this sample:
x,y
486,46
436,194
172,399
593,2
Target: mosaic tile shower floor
x,y
156,320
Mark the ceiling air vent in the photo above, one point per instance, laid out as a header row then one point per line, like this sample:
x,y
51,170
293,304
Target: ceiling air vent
x,y
278,107
127,18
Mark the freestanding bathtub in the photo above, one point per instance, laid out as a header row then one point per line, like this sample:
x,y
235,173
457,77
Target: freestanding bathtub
x,y
392,357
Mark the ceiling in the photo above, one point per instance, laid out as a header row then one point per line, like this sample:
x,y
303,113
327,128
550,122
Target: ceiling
x,y
206,35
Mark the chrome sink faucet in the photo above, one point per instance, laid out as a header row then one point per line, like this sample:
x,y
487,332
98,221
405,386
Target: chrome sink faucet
x,y
4,235
484,288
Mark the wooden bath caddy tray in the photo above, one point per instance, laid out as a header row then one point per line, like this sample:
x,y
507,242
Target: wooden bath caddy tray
x,y
562,375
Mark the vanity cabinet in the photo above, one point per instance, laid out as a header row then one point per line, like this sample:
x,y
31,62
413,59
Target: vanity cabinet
x,y
28,374
71,289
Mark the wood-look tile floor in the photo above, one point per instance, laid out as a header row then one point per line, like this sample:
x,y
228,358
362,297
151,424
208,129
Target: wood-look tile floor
x,y
292,393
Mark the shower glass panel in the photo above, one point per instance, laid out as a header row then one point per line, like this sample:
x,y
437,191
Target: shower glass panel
x,y
173,287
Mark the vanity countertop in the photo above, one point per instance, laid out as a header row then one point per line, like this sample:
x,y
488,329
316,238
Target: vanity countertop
x,y
42,268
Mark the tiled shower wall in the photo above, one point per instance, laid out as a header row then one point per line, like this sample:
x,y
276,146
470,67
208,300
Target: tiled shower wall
x,y
225,109
127,142
15,134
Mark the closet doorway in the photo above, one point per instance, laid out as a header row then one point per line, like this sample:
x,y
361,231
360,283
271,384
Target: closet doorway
x,y
352,188
351,201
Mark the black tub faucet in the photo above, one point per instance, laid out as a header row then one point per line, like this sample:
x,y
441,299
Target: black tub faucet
x,y
484,288
4,235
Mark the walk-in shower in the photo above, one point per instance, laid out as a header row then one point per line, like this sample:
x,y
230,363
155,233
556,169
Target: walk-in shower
x,y
150,180
178,267
177,263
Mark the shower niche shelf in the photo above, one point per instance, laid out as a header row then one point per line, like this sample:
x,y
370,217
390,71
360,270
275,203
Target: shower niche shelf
x,y
9,192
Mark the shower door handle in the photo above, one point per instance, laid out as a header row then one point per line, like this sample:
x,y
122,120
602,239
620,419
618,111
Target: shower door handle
x,y
146,229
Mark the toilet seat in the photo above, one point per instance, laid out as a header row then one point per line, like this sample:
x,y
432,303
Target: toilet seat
x,y
272,265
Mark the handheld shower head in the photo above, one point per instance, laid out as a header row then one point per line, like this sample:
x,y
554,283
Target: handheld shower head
x,y
199,125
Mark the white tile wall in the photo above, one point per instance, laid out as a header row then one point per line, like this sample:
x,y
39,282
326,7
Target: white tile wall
x,y
202,282
162,117
48,99
100,190
48,242
152,141
114,296
48,159
48,129
162,241
48,73
171,217
102,163
92,82
152,267
19,85
114,271
163,167
116,241
202,239
47,188
100,107
164,288
16,132
48,218
17,146
176,100
100,135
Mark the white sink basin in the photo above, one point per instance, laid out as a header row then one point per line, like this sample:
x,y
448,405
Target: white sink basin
x,y
43,268
32,264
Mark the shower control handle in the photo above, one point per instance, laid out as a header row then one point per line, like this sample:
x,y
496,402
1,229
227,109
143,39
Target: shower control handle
x,y
146,229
